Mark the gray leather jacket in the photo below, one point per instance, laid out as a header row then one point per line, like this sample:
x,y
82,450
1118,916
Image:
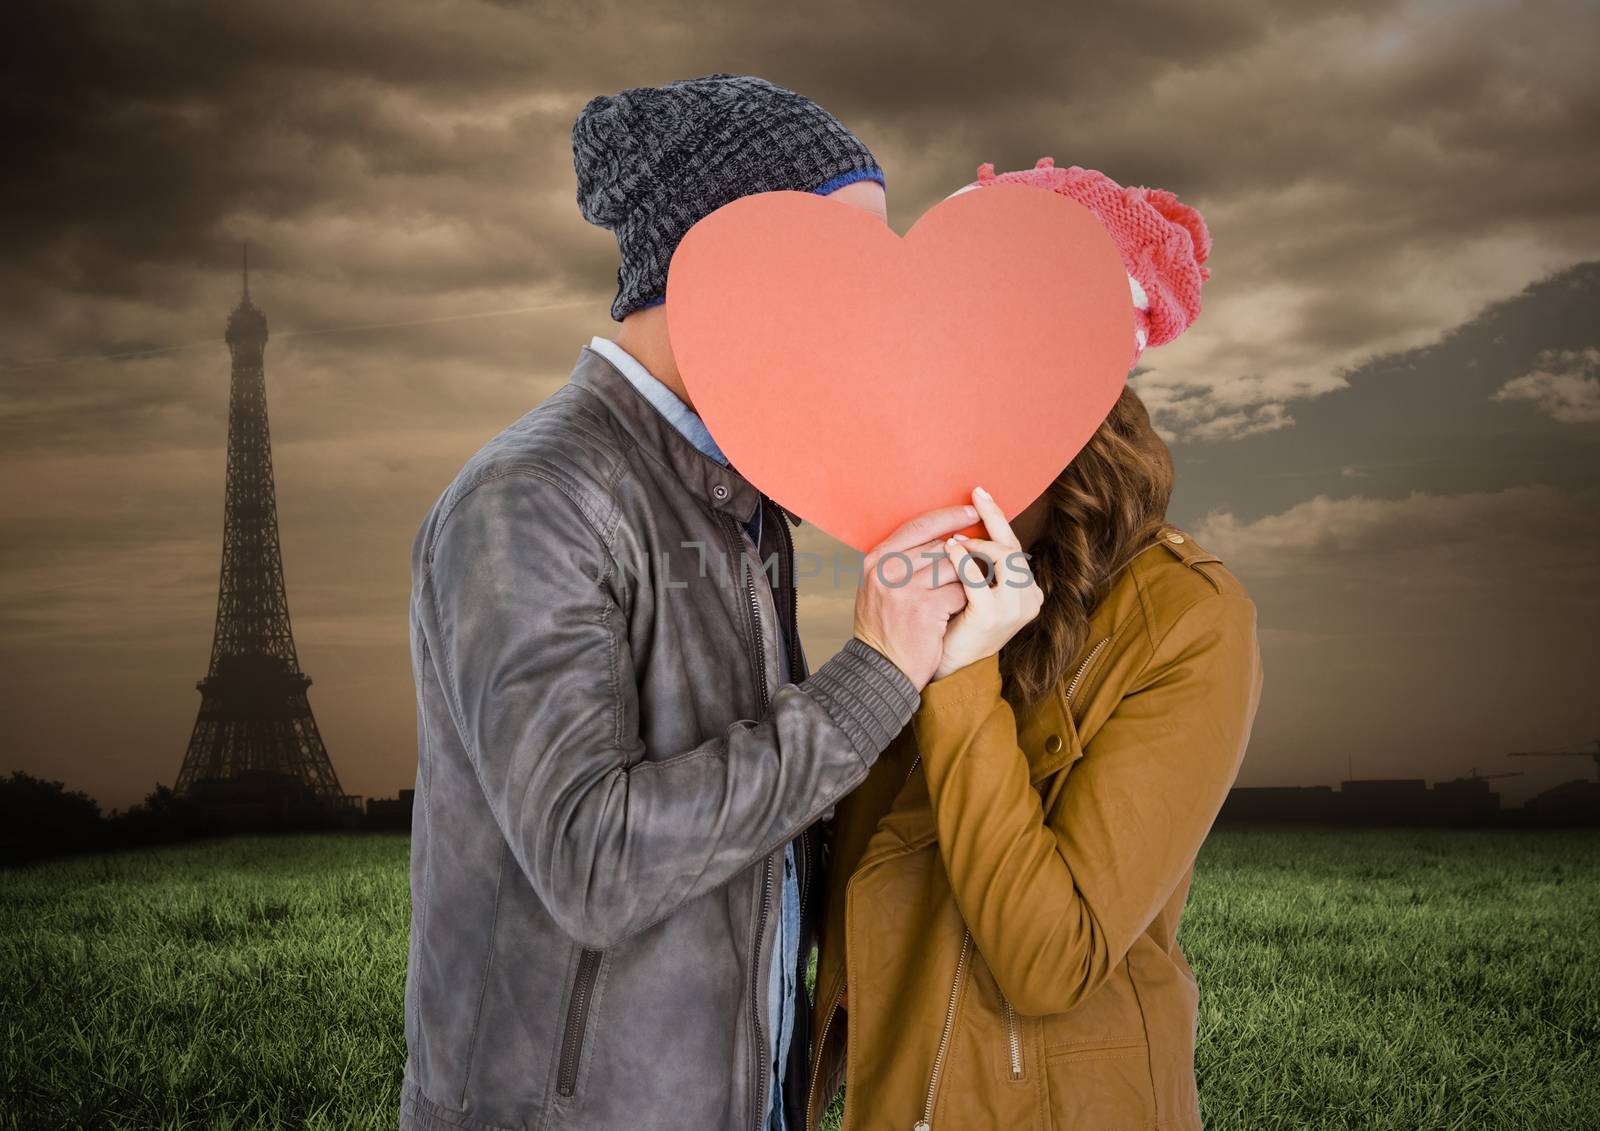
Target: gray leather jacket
x,y
607,775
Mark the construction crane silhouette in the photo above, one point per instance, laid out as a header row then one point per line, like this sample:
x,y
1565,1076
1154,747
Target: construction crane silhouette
x,y
1476,776
1562,754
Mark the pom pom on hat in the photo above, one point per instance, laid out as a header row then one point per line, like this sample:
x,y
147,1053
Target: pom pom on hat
x,y
1164,243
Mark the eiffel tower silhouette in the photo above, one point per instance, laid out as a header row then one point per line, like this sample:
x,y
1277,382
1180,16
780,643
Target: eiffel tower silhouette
x,y
255,753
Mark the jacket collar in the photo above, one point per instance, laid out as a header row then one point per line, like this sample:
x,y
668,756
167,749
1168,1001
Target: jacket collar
x,y
721,487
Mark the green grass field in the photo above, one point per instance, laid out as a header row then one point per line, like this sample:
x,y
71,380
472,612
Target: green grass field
x,y
1377,978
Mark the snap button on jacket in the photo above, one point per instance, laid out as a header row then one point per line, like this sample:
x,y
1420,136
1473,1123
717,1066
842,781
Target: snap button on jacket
x,y
1005,888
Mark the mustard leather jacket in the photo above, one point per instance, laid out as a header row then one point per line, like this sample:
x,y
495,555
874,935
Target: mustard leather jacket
x,y
1004,892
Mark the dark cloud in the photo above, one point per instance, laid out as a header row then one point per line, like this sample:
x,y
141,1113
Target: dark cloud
x,y
1389,380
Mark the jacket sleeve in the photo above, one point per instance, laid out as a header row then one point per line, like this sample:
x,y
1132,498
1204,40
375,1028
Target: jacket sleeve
x,y
529,639
1054,906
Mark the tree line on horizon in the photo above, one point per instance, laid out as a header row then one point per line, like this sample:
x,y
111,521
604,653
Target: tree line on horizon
x,y
40,819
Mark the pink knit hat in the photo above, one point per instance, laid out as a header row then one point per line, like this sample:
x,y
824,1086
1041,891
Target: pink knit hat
x,y
1164,244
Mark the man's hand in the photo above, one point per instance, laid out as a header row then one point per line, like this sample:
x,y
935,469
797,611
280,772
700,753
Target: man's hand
x,y
909,591
1000,590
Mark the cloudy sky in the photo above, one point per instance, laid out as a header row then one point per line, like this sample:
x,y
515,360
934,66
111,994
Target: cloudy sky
x,y
1386,421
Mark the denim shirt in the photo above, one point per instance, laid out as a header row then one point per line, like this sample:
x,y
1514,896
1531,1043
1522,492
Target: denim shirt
x,y
782,990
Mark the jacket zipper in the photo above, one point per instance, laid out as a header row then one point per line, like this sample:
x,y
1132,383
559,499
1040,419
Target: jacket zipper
x,y
1083,667
762,1087
1013,1035
802,861
822,1043
758,660
577,1022
760,1097
926,1122
792,640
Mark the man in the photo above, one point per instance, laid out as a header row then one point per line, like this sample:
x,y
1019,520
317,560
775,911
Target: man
x,y
623,758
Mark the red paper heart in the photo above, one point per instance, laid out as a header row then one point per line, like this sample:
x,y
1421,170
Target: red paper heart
x,y
860,378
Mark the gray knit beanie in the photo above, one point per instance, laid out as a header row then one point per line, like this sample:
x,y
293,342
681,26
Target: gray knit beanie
x,y
653,160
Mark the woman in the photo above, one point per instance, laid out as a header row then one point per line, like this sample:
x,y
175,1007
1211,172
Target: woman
x,y
998,937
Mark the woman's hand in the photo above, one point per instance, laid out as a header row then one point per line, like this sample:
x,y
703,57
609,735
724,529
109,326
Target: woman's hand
x,y
1001,592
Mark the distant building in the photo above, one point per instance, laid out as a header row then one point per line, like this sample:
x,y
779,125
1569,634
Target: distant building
x,y
1570,803
1262,804
390,813
1465,801
1385,801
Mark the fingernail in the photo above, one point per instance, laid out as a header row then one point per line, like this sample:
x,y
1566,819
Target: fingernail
x,y
959,538
972,512
982,494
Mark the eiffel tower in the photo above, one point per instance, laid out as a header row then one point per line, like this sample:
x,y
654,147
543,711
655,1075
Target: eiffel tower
x,y
255,753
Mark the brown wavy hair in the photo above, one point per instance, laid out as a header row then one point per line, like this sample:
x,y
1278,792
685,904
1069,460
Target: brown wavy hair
x,y
1105,507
